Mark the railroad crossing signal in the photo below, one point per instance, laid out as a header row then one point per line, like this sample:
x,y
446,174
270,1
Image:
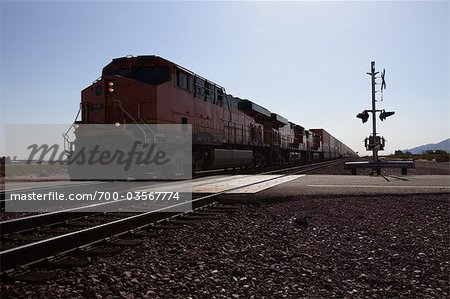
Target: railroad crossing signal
x,y
375,143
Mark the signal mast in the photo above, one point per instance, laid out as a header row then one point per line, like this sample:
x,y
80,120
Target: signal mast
x,y
375,143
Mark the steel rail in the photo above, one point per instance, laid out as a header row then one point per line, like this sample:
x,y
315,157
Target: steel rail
x,y
26,254
304,168
29,253
47,218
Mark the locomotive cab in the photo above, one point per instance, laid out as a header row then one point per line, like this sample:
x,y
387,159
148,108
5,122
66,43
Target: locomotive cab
x,y
126,92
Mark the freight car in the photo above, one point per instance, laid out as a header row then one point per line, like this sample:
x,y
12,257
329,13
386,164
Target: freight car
x,y
227,131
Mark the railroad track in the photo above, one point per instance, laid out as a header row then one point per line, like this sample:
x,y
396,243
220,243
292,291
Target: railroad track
x,y
302,169
62,239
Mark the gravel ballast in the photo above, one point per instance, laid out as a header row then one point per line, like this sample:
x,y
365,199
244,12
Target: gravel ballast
x,y
393,246
309,247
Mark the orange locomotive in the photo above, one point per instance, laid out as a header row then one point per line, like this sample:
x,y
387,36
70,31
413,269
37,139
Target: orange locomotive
x,y
226,131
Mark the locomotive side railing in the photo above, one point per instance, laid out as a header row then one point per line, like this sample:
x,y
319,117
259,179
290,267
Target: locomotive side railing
x,y
133,119
68,145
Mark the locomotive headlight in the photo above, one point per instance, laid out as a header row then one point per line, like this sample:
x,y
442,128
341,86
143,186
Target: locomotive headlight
x,y
110,87
117,124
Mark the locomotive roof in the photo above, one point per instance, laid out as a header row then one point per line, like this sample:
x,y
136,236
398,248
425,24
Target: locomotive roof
x,y
280,119
146,59
251,106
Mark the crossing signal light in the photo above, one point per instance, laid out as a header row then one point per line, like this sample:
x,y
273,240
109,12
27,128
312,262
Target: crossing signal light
x,y
385,114
364,116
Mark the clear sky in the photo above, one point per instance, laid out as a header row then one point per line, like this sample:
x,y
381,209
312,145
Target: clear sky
x,y
306,61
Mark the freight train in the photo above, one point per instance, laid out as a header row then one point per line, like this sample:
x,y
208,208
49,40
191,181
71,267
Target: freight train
x,y
227,131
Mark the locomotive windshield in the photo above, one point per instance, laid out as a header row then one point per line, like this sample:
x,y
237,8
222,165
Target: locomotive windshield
x,y
150,75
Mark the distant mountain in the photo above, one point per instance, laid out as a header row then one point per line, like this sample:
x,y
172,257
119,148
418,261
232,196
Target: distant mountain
x,y
443,146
